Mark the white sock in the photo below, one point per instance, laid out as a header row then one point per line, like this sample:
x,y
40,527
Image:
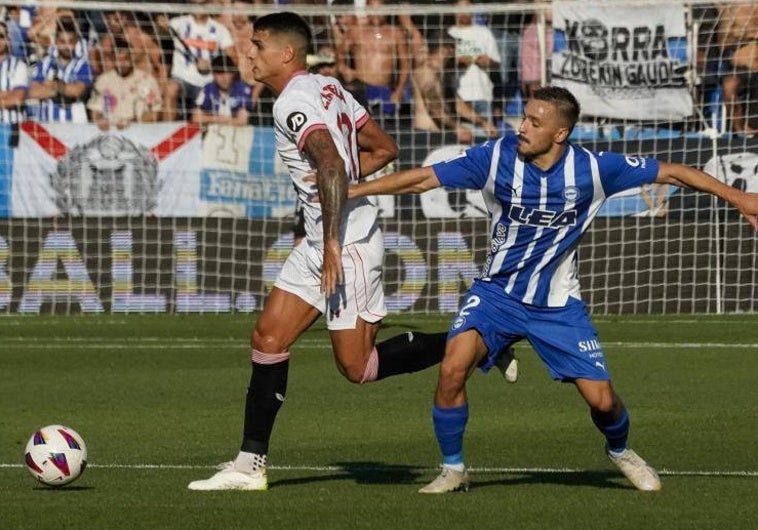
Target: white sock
x,y
616,454
249,462
456,467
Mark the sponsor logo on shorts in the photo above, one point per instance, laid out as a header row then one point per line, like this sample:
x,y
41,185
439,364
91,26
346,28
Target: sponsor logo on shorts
x,y
296,120
592,345
458,322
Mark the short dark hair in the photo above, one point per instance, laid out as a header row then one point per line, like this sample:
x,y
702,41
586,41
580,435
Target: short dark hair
x,y
66,25
289,23
563,100
120,45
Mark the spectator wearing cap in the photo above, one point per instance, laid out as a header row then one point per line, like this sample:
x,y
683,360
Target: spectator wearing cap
x,y
226,100
125,94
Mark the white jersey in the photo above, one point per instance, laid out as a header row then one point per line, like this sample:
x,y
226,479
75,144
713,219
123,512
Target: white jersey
x,y
13,75
475,83
310,102
198,41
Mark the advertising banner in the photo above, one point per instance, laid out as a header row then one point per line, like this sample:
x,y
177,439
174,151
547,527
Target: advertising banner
x,y
625,62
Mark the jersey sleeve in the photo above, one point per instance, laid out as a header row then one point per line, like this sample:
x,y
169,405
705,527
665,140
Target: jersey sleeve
x,y
38,73
298,115
360,114
83,74
96,101
20,77
203,102
225,39
620,172
468,170
490,46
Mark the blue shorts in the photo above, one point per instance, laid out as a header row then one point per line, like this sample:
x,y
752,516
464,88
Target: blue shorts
x,y
380,97
563,337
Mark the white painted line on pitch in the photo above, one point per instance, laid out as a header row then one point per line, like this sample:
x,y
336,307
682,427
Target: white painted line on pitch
x,y
392,469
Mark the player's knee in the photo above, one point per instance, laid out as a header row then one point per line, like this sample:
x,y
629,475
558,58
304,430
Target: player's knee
x,y
355,373
606,404
266,342
452,375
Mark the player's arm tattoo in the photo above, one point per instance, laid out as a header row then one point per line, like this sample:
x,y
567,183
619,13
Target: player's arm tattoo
x,y
331,181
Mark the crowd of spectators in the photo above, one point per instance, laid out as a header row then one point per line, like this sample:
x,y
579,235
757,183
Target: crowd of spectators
x,y
455,73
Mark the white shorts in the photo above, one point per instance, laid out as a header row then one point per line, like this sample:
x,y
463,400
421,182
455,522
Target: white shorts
x,y
362,294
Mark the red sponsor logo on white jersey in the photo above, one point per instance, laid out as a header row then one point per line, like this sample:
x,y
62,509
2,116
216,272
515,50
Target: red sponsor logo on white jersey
x,y
329,92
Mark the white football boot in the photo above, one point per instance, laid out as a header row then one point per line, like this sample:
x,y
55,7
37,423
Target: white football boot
x,y
507,363
447,481
639,473
229,478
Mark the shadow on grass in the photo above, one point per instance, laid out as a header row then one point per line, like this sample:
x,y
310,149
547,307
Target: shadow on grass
x,y
375,473
594,479
360,473
62,489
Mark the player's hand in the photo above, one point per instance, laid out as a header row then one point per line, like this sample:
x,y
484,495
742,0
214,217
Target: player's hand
x,y
332,275
482,61
203,66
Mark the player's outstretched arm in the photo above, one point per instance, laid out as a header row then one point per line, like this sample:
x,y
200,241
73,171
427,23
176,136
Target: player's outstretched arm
x,y
332,191
376,148
409,181
689,177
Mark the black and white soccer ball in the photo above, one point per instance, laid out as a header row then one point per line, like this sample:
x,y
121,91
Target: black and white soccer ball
x,y
56,455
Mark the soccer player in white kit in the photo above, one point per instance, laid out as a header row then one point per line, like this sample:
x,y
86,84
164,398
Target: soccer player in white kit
x,y
336,270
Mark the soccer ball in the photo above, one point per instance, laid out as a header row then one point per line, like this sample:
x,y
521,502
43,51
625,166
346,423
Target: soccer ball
x,y
56,455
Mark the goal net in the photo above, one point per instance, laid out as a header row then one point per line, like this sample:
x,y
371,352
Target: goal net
x,y
165,195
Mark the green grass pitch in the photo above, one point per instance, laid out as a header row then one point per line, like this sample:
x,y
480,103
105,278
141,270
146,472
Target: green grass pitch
x,y
159,401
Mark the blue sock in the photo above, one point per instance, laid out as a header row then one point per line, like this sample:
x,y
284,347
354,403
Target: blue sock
x,y
616,433
449,425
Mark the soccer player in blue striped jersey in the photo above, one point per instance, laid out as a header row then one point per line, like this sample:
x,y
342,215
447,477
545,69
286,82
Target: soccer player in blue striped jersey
x,y
542,193
62,80
13,81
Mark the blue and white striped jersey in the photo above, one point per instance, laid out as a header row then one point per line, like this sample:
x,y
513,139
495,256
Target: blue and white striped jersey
x,y
49,110
538,217
13,75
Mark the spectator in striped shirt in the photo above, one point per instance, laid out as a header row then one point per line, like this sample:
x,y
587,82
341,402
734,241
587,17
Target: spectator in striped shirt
x,y
61,82
13,82
198,38
226,100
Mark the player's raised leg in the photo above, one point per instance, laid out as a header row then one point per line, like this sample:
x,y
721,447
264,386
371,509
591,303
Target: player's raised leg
x,y
450,412
353,316
284,318
612,419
